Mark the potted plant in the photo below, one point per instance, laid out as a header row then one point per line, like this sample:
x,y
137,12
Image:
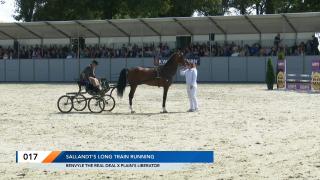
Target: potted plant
x,y
270,76
281,55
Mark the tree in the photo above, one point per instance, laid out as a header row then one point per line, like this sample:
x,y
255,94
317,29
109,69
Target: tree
x,y
290,6
60,10
270,76
144,8
248,6
108,9
269,6
26,9
244,6
41,10
275,6
183,8
212,7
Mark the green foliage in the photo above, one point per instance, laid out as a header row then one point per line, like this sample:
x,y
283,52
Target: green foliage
x,y
273,6
270,75
291,6
242,6
144,8
60,10
26,9
212,7
46,10
281,55
41,10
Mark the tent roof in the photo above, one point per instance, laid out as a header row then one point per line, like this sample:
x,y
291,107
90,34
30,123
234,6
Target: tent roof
x,y
251,24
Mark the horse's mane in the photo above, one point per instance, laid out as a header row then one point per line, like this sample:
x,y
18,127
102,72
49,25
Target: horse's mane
x,y
170,59
169,69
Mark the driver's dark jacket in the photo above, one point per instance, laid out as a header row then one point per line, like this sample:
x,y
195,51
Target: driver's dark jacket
x,y
86,73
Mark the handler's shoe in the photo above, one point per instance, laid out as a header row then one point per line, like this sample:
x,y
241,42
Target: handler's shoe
x,y
190,110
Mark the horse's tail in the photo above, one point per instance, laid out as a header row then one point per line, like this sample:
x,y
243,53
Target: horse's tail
x,y
122,82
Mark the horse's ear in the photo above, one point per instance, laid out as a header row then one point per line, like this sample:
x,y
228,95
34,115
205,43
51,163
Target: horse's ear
x,y
179,53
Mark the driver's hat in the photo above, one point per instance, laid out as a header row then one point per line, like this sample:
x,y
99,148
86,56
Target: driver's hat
x,y
95,62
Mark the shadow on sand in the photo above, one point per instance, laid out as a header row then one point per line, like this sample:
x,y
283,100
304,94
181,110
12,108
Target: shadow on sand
x,y
144,114
119,114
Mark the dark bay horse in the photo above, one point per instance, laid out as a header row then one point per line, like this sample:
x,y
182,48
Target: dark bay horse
x,y
161,77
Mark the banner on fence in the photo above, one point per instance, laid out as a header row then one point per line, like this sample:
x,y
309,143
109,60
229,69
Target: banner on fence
x,y
303,82
189,58
281,74
315,77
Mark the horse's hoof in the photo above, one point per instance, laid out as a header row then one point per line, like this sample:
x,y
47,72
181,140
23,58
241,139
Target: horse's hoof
x,y
132,112
164,112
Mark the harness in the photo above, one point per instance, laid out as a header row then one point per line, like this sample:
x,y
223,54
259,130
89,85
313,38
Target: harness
x,y
159,75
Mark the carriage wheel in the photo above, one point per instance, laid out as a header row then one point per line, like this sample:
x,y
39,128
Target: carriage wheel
x,y
79,102
109,103
96,104
65,104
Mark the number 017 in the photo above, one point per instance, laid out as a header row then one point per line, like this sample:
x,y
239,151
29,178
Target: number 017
x,y
30,156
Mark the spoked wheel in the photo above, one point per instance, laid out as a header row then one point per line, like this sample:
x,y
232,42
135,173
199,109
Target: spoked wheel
x,y
96,104
109,103
79,102
65,104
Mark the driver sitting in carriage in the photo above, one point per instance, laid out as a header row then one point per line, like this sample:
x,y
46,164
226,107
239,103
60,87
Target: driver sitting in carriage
x,y
88,78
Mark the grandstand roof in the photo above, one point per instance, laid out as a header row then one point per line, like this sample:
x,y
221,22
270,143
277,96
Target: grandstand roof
x,y
248,24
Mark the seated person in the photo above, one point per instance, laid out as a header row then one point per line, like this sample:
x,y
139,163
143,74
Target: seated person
x,y
88,75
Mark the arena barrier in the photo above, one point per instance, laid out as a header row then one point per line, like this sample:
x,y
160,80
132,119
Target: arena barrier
x,y
298,82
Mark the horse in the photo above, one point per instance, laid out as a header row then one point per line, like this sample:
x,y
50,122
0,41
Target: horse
x,y
159,76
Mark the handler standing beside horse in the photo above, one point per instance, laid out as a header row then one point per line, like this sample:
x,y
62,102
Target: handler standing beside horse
x,y
191,74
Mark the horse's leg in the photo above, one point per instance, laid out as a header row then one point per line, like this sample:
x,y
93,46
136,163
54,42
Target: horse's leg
x,y
165,92
131,94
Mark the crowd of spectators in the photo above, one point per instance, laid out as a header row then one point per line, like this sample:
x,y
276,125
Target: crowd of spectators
x,y
310,47
126,51
36,52
91,51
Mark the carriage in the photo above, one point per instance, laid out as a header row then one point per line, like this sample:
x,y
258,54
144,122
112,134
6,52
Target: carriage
x,y
96,100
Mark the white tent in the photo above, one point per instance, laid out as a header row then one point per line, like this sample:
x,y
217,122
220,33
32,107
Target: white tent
x,y
253,24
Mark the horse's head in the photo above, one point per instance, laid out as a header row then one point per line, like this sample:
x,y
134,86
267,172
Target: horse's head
x,y
179,58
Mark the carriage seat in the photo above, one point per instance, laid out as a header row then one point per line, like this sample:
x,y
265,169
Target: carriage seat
x,y
90,89
82,83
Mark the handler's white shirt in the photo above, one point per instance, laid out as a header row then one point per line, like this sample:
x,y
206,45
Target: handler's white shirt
x,y
191,76
191,80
